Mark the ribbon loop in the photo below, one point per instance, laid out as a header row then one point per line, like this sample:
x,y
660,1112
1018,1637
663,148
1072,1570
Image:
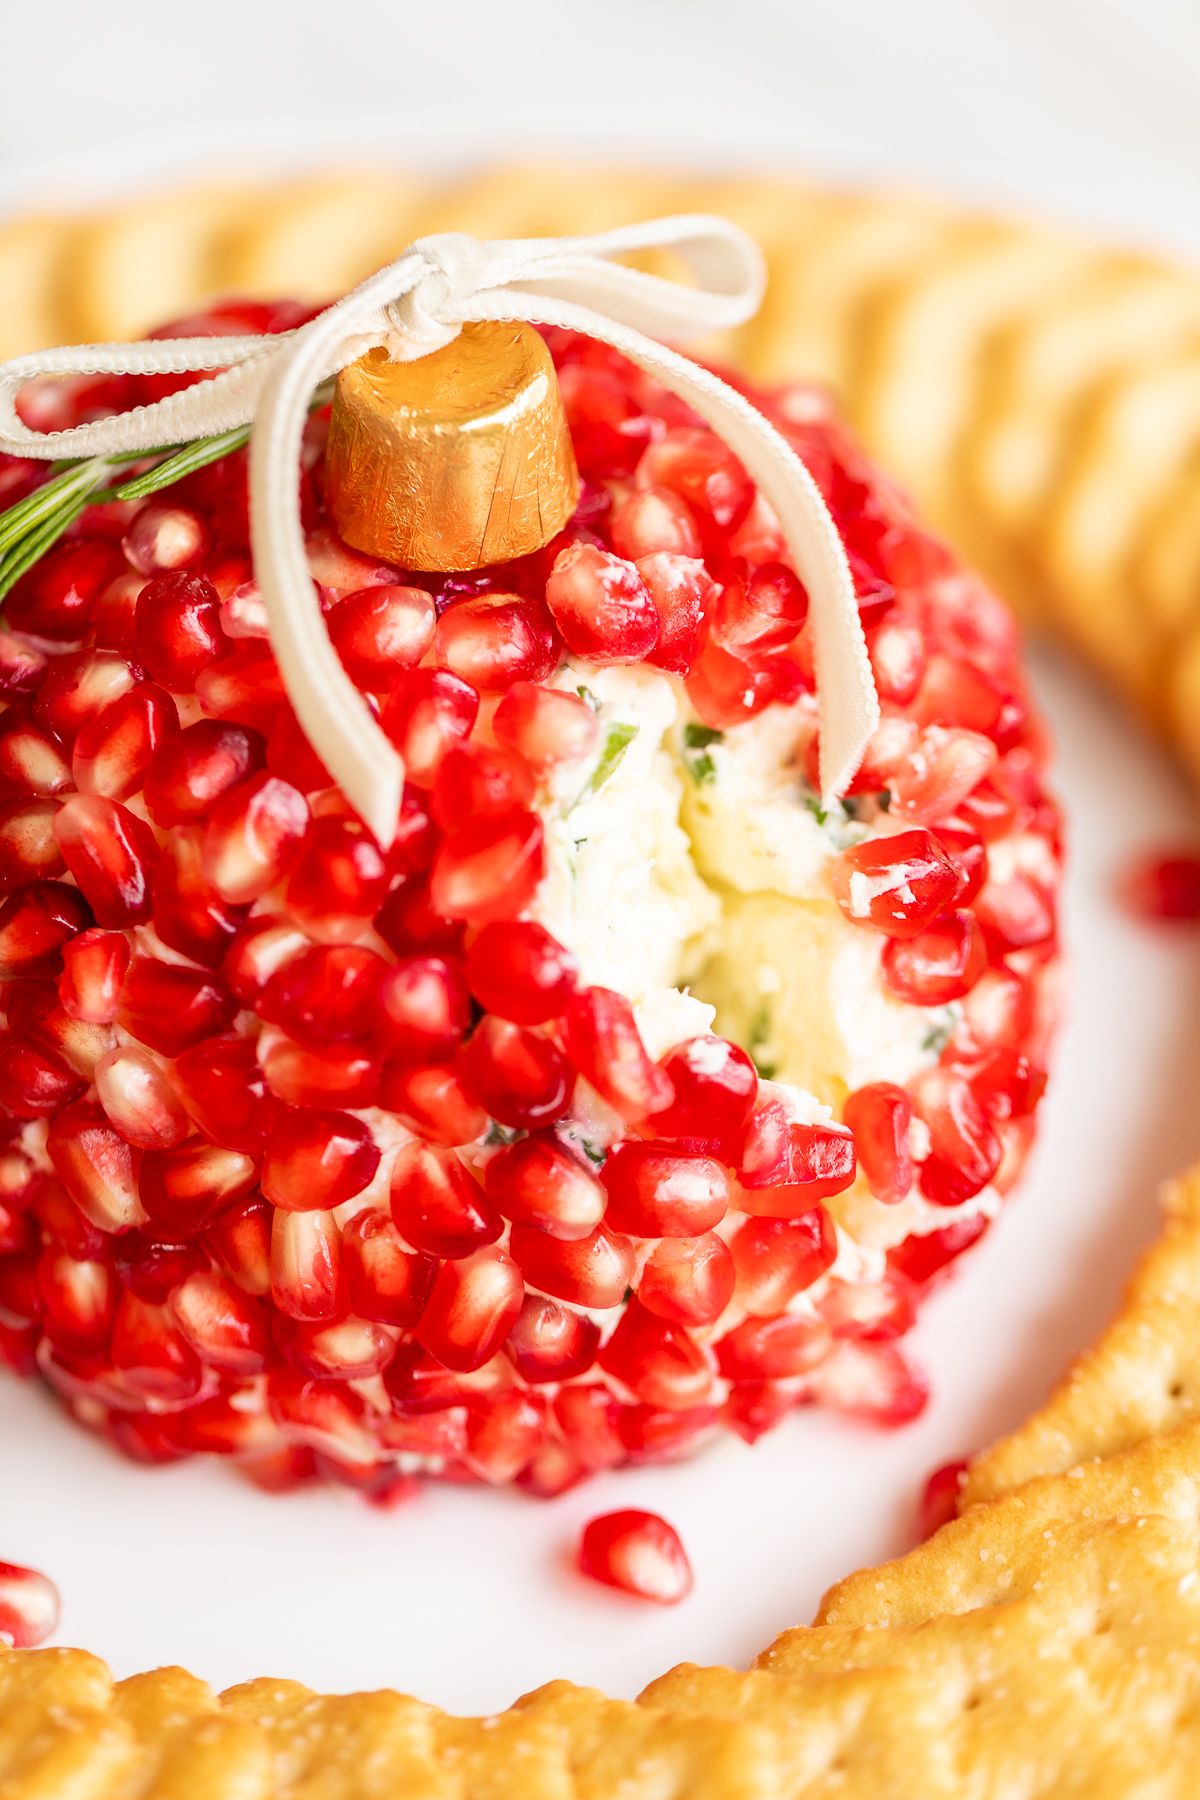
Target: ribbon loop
x,y
412,307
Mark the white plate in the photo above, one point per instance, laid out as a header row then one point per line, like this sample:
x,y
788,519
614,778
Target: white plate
x,y
469,1598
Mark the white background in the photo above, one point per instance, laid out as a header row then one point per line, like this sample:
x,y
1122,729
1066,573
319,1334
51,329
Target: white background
x,y
1086,108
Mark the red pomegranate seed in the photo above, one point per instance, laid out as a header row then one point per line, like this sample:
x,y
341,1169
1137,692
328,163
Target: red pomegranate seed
x,y
408,922
539,1181
1008,1084
240,1243
437,1206
544,726
421,1008
503,1435
426,714
592,1271
637,1552
697,465
964,1148
384,1281
115,748
434,1103
57,598
320,1075
348,1349
898,660
656,1192
381,630
923,1259
681,590
316,1160
495,640
111,853
307,1280
475,780
940,772
225,1327
190,771
36,923
880,1115
290,755
549,1342
253,837
657,1361
244,686
940,1498
258,948
34,1013
116,610
587,1415
875,1382
186,1189
787,1165
761,612
78,1299
77,688
774,1349
34,1084
170,1008
490,869
601,605
872,1310
164,537
1158,887
337,880
28,847
607,1049
29,1607
519,1078
188,914
21,666
177,630
940,964
609,428
1016,914
725,689
715,1085
776,1259
139,1099
225,1092
152,1354
516,970
756,1407
648,520
688,1281
471,1309
896,884
327,994
95,1165
31,761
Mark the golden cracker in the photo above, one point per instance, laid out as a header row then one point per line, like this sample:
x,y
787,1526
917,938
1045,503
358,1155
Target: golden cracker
x,y
36,271
314,239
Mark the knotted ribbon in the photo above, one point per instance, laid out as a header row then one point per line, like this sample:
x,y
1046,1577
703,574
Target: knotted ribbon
x,y
414,306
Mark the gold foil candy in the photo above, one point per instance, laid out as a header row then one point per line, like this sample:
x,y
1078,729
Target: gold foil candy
x,y
459,459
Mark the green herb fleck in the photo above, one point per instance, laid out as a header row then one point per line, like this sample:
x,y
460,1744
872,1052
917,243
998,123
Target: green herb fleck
x,y
619,738
593,1152
499,1134
760,1037
938,1036
697,741
587,696
819,812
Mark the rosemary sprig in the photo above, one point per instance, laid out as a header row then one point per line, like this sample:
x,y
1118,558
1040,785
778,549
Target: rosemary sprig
x,y
35,524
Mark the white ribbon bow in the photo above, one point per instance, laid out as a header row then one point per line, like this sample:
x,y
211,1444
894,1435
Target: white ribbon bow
x,y
412,307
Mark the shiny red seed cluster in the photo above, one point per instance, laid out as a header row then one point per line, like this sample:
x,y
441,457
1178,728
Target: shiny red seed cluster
x,y
291,1167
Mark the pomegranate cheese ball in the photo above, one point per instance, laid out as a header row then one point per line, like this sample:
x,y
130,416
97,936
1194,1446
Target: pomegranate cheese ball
x,y
631,1096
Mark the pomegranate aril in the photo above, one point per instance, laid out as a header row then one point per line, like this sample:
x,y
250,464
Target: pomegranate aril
x,y
177,630
170,1008
320,1074
592,1271
490,869
163,538
874,1382
697,465
151,1267
495,640
384,1281
940,964
224,1090
588,1418
438,1208
20,1293
546,727
871,1310
34,1013
897,884
244,686
115,748
408,922
725,690
549,1342
433,1102
28,846
756,1407
964,1150
337,880
139,1099
759,612
190,770
253,837
966,850
475,780
31,761
775,1349
657,1192
422,1010
307,1280
601,605
924,1259
539,1181
290,754
714,1084
21,665
1015,914
186,1190
111,853
939,773
520,1079
503,1435
940,1498
516,970
57,598
188,914
325,995
880,1114
95,1165
226,1329
776,1259
648,520
379,631
77,688
607,1050
682,590
317,1160
347,1349
152,1354
29,1607
688,1281
426,714
898,660
258,948
637,1552
1163,887
115,612
78,1298
657,1361
1007,1083
240,1243
33,1085
471,1309
786,1165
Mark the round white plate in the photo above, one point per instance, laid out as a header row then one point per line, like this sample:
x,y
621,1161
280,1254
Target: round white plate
x,y
469,1598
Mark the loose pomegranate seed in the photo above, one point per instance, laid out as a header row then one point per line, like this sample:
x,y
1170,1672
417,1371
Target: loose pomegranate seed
x,y
880,1115
516,970
258,948
726,690
115,748
348,1349
654,1192
940,964
35,925
21,666
423,1008
320,1075
549,1342
1158,887
57,598
186,1189
111,853
384,1281
189,772
657,1361
317,1160
253,837
495,640
224,1090
427,713
940,1498
163,538
786,1165
244,686
337,881
897,884
28,847
935,779
29,1607
475,780
327,994
637,1552
539,1181
649,520
874,1311
591,1271
922,1260
471,1309
688,1281
139,1100
188,914
290,755
1016,914
601,605
34,1013
240,1243
519,1078
1008,1084
587,1416
776,1259
381,630
77,688
307,1280
437,1207
607,1049
170,1008
548,729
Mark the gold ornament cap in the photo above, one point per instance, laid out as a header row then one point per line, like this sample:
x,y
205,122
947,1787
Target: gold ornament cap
x,y
456,460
